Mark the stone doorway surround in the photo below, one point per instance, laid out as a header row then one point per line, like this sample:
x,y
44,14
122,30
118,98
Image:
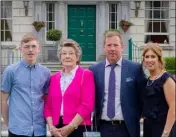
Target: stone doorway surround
x,y
102,19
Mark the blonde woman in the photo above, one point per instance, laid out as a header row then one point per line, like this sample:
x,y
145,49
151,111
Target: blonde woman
x,y
158,96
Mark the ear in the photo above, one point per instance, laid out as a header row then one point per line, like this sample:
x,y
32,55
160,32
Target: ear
x,y
38,48
122,46
77,58
20,49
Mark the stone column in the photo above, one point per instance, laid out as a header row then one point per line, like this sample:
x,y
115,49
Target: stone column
x,y
101,29
125,35
39,16
62,18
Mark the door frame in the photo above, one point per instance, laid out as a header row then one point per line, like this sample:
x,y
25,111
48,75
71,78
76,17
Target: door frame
x,y
83,3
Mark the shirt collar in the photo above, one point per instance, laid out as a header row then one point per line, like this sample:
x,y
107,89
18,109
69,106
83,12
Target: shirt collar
x,y
25,64
73,72
119,62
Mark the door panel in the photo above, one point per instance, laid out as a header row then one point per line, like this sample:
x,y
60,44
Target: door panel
x,y
82,28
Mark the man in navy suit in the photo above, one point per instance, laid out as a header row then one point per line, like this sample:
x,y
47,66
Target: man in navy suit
x,y
118,105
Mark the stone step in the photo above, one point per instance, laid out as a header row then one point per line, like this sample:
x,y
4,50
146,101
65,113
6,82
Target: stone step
x,y
55,66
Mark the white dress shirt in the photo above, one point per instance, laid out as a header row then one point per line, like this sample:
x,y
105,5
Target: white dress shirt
x,y
118,109
65,81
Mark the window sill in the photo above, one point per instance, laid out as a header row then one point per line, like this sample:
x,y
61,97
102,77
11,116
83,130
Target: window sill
x,y
8,46
50,43
163,46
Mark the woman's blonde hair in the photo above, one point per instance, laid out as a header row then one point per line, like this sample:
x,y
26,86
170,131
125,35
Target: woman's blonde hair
x,y
74,45
157,50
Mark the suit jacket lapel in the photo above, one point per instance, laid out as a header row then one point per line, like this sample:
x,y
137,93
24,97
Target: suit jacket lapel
x,y
101,78
124,73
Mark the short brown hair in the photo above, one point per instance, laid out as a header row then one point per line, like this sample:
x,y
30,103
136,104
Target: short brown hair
x,y
74,45
157,50
109,34
28,37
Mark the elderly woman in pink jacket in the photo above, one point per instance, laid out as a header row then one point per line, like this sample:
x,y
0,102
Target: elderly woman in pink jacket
x,y
70,98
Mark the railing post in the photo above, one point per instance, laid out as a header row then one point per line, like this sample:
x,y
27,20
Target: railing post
x,y
130,49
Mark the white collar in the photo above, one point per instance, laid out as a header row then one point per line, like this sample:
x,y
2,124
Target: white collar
x,y
119,62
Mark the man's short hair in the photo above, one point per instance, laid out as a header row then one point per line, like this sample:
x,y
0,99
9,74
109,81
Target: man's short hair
x,y
109,34
28,37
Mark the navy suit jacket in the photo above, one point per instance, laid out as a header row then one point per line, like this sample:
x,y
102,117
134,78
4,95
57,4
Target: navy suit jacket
x,y
132,82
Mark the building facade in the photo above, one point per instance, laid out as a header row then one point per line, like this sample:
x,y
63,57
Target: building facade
x,y
86,22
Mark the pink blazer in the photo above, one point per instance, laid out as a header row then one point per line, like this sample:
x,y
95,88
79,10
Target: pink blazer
x,y
78,98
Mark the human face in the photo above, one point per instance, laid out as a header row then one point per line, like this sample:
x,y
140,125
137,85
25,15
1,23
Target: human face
x,y
68,57
30,51
151,61
113,49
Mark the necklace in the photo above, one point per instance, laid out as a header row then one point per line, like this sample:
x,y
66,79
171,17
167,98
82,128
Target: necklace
x,y
150,83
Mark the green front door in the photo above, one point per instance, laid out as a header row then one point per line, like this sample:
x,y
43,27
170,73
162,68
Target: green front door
x,y
82,28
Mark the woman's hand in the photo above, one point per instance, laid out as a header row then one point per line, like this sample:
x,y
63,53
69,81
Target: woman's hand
x,y
55,132
165,134
66,130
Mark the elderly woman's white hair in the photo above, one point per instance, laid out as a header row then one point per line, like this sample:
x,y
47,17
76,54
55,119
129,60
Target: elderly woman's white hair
x,y
73,44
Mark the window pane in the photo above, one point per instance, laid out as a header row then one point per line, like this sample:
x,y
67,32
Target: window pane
x,y
2,24
148,25
51,7
156,14
156,26
8,24
2,35
51,16
148,4
51,25
157,4
164,27
157,39
148,14
6,10
8,36
165,4
113,17
113,7
165,14
113,26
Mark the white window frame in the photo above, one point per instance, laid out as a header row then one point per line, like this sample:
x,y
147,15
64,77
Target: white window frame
x,y
117,12
159,20
47,41
5,42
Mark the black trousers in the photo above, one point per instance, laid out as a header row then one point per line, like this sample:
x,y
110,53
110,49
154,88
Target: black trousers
x,y
108,129
14,135
77,132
